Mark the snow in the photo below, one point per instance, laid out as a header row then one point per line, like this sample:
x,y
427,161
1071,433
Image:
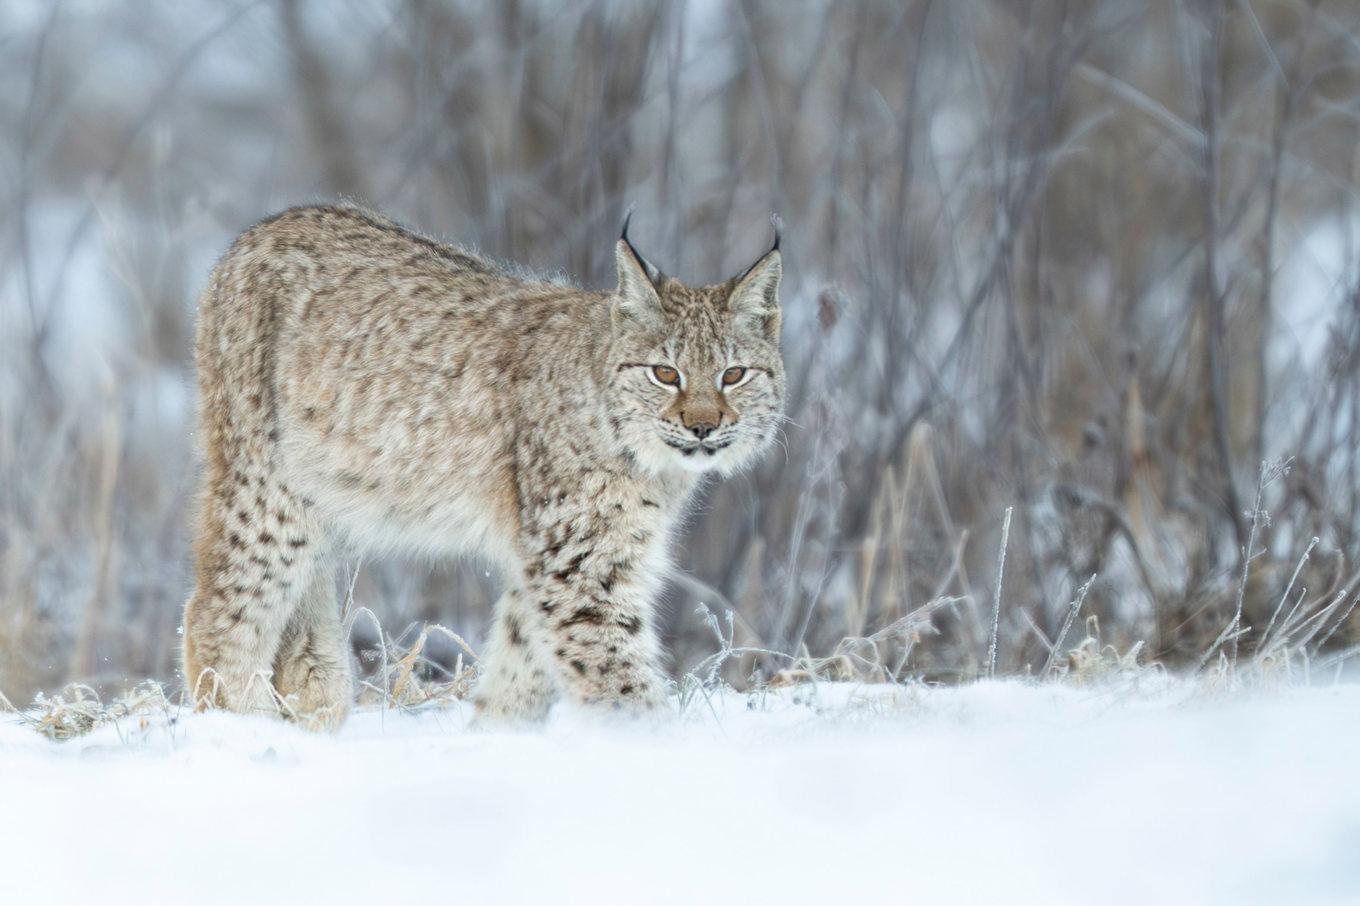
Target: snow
x,y
1154,790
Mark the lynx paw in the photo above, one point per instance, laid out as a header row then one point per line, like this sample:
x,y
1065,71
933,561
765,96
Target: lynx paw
x,y
497,705
316,696
644,697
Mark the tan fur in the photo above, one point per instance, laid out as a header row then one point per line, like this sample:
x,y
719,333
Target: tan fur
x,y
364,387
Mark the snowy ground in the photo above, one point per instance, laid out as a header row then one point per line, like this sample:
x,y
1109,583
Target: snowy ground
x,y
1154,791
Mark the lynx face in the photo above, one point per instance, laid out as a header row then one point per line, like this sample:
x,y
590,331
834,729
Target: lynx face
x,y
697,379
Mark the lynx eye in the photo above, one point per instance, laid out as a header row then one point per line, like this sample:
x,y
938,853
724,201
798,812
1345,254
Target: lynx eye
x,y
732,376
666,375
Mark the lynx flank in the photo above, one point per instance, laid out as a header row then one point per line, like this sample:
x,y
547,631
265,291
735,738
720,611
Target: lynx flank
x,y
363,387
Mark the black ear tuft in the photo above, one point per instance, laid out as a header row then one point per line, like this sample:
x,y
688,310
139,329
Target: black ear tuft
x,y
651,270
775,221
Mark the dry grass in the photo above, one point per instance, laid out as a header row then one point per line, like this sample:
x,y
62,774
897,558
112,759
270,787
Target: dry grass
x,y
401,677
404,677
78,709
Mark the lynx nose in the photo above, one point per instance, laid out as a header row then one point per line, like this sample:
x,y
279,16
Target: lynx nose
x,y
702,425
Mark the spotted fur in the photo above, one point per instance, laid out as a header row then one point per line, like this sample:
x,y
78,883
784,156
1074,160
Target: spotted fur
x,y
364,387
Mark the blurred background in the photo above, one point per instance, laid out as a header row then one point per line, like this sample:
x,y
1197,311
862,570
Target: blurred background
x,y
1091,263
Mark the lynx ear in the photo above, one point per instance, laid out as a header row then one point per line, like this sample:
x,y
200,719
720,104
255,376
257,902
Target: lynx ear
x,y
636,296
755,294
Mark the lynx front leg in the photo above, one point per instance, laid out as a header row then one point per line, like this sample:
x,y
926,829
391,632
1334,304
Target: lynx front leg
x,y
591,586
516,685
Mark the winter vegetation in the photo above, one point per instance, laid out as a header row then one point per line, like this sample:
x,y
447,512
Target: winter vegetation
x,y
1091,264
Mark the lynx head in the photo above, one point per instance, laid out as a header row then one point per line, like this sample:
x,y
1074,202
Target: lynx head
x,y
696,379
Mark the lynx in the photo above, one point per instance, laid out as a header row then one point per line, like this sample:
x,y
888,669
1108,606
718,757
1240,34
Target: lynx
x,y
364,387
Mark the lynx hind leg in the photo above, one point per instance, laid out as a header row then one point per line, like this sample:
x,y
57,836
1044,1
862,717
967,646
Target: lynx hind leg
x,y
255,557
516,684
312,668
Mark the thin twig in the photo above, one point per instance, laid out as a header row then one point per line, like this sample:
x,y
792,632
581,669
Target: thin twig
x,y
996,597
1265,636
1072,612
